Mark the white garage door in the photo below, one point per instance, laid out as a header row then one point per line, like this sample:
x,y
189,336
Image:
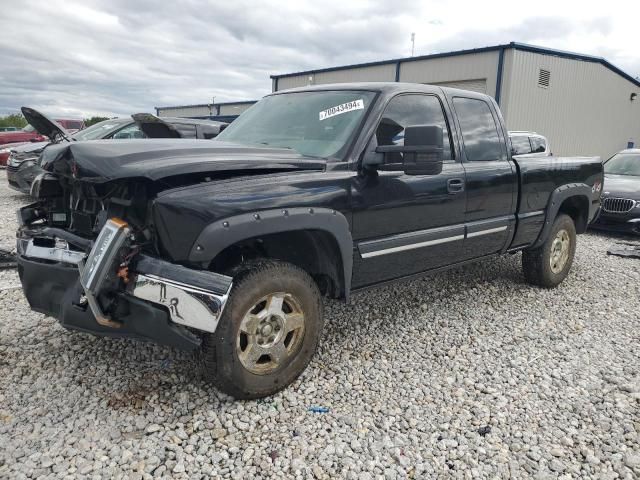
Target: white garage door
x,y
479,85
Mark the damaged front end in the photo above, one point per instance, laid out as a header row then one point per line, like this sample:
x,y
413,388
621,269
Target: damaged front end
x,y
89,260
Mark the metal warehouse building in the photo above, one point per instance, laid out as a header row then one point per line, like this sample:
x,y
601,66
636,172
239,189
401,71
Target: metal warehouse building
x,y
216,111
583,104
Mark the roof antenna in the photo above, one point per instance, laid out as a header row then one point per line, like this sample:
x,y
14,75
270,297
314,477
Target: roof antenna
x,y
413,42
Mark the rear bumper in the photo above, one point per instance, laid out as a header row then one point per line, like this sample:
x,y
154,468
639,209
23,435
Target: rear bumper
x,y
160,302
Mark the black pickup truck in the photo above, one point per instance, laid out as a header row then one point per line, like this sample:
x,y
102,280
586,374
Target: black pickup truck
x,y
227,246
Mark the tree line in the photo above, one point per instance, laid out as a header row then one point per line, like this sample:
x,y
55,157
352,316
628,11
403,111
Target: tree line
x,y
18,120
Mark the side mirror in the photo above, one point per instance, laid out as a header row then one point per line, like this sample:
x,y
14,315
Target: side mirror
x,y
422,150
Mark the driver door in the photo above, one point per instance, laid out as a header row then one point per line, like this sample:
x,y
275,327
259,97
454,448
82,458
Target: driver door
x,y
406,224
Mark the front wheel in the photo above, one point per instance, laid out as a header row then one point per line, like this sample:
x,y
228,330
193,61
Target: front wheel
x,y
268,332
548,265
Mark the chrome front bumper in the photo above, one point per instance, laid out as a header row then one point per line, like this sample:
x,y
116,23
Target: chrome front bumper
x,y
193,298
188,305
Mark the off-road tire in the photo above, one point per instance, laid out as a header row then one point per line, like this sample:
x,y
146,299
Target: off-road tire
x,y
536,263
252,281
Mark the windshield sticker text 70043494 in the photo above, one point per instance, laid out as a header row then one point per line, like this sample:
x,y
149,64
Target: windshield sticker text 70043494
x,y
340,109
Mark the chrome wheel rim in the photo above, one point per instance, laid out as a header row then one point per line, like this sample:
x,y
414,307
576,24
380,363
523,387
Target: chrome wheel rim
x,y
270,333
560,248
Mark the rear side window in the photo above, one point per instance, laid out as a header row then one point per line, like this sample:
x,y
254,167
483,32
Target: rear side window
x,y
521,145
538,145
186,130
208,131
409,110
479,130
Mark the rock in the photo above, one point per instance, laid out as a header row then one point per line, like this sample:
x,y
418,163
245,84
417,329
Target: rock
x,y
592,459
632,460
557,466
298,464
154,427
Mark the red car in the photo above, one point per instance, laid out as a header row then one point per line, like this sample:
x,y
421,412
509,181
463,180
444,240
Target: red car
x,y
72,126
29,134
5,151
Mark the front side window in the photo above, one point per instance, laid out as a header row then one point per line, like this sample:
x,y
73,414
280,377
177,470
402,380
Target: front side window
x,y
100,130
623,164
410,110
132,131
538,145
521,145
318,124
479,130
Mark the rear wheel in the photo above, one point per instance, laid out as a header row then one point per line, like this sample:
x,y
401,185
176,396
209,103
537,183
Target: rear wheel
x,y
548,265
268,332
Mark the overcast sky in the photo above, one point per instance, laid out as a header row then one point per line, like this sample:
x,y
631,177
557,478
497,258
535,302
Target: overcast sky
x,y
117,57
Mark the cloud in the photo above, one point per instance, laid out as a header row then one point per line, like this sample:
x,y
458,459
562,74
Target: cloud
x,y
80,58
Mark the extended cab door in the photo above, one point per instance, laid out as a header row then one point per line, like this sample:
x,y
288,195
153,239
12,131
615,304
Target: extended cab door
x,y
406,224
491,177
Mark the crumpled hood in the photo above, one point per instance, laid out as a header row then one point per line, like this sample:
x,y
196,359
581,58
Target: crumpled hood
x,y
626,186
104,160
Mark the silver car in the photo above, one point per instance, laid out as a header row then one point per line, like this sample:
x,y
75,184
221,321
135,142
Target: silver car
x,y
531,144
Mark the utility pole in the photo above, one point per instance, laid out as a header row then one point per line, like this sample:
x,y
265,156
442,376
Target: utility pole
x,y
413,42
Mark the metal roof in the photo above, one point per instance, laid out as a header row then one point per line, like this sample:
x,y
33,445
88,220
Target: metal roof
x,y
513,45
242,102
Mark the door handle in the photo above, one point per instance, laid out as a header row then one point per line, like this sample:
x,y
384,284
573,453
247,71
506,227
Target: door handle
x,y
455,185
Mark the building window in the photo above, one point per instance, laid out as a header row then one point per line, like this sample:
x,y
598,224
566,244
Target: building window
x,y
543,78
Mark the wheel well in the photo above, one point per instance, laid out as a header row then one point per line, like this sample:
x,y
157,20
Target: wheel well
x,y
577,207
315,251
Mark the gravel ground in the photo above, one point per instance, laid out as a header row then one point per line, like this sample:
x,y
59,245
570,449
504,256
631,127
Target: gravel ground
x,y
466,374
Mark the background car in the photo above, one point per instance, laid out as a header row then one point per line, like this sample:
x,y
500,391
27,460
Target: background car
x,y
9,129
31,134
621,196
72,126
26,134
5,151
531,144
22,165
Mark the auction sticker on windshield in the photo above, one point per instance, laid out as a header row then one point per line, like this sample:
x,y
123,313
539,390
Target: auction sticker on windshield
x,y
340,109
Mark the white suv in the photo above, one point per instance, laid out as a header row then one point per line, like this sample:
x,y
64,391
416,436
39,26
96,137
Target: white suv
x,y
530,144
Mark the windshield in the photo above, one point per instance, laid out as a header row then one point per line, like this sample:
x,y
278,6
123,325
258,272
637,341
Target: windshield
x,y
623,164
100,130
28,128
317,124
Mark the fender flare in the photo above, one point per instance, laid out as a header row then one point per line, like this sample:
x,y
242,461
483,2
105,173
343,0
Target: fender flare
x,y
225,232
557,197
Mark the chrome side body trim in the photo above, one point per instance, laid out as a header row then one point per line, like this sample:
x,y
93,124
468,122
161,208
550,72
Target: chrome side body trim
x,y
435,236
486,232
535,213
411,246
